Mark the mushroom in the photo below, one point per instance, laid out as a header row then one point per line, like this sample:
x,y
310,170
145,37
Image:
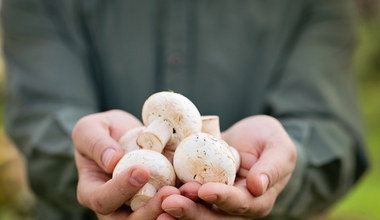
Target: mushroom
x,y
210,125
236,156
204,158
161,174
128,140
169,118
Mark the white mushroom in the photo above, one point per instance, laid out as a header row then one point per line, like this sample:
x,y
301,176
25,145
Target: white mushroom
x,y
236,156
203,158
210,125
161,174
169,118
128,140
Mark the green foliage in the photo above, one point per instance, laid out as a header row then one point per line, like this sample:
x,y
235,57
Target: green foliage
x,y
367,59
362,203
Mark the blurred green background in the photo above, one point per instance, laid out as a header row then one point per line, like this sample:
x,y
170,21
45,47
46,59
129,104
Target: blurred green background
x,y
16,200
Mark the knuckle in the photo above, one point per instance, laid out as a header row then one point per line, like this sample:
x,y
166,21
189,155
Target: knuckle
x,y
115,111
81,199
93,146
292,157
263,210
275,175
97,206
243,209
81,125
271,121
85,120
293,154
263,213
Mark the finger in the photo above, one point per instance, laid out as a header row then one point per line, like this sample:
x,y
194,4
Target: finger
x,y
275,163
121,214
190,190
105,198
181,207
96,135
121,122
237,200
104,195
184,208
153,208
165,216
92,138
228,198
247,161
275,151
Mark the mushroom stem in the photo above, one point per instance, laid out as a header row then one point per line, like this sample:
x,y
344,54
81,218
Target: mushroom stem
x,y
210,125
155,136
143,196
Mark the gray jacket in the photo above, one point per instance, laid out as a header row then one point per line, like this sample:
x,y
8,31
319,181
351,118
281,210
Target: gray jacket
x,y
290,59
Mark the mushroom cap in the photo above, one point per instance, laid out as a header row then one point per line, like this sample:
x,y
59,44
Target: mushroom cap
x,y
203,158
161,170
175,109
236,155
128,140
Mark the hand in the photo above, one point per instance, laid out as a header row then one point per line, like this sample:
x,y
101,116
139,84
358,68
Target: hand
x,y
149,211
189,206
268,159
96,154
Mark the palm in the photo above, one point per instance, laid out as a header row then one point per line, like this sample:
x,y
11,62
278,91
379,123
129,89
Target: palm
x,y
265,151
243,137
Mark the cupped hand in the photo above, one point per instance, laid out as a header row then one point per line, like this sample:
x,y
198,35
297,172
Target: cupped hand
x,y
268,159
268,155
97,152
152,210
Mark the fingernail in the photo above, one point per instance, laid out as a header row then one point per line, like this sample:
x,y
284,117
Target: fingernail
x,y
138,178
176,212
211,198
107,156
264,181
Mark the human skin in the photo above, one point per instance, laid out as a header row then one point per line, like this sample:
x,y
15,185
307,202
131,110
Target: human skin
x,y
267,160
96,154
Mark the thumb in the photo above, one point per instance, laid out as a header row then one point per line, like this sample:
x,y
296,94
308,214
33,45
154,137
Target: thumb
x,y
273,165
258,182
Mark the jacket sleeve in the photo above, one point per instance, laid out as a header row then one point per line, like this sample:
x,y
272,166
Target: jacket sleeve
x,y
313,95
47,90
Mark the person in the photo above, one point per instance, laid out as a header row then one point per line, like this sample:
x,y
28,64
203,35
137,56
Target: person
x,y
276,72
